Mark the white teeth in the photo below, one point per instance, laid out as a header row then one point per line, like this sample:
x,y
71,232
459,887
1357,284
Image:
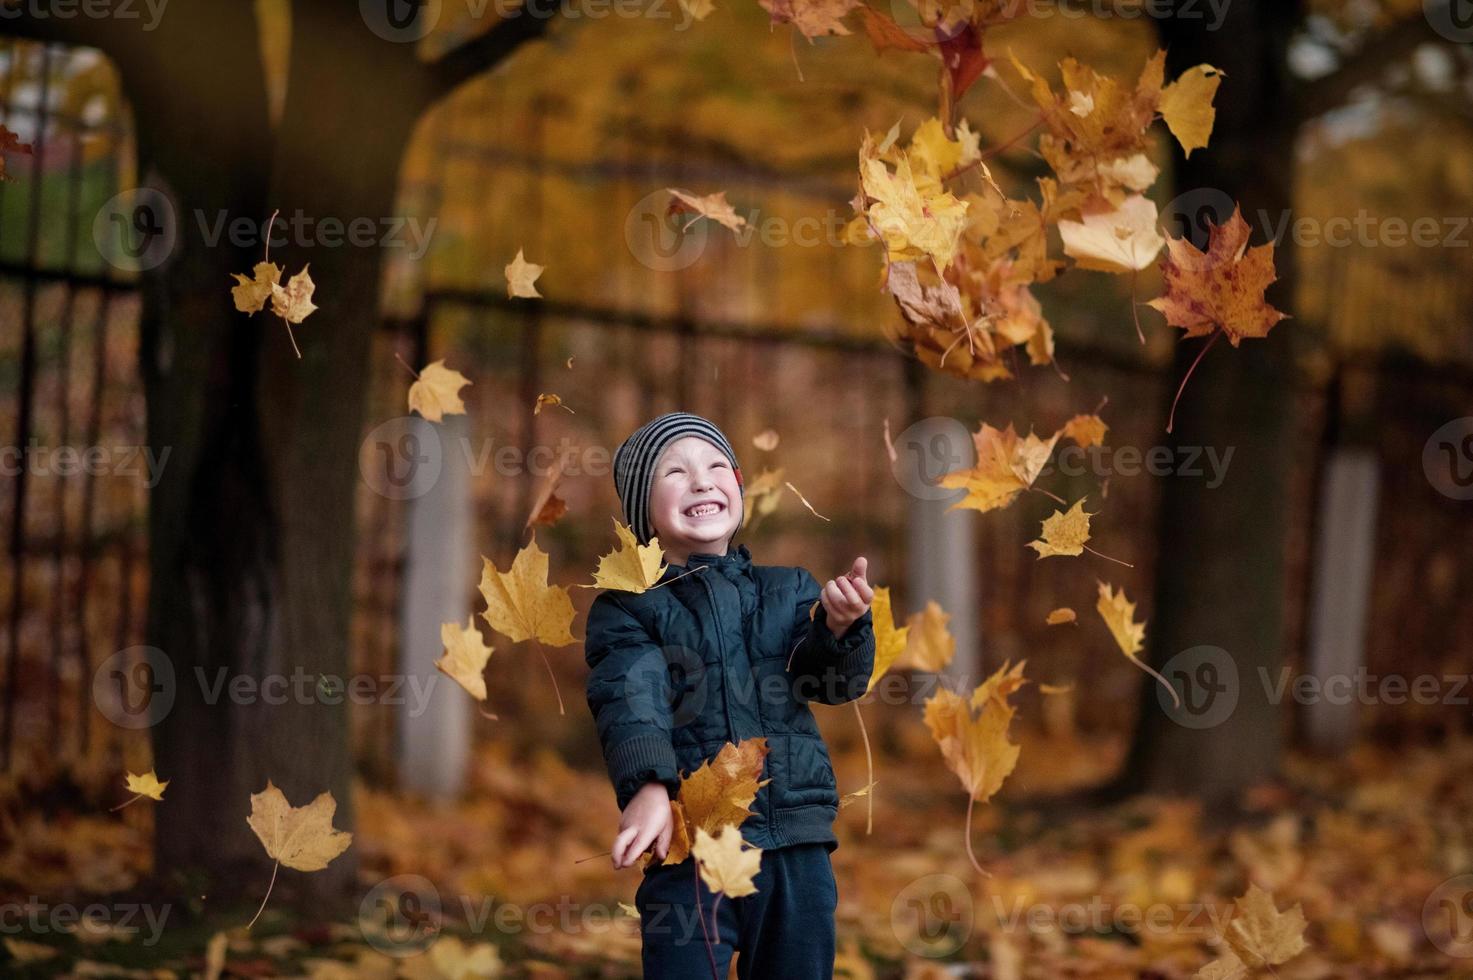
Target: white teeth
x,y
701,510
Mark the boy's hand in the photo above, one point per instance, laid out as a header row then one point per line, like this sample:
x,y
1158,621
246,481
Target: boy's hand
x,y
847,597
646,819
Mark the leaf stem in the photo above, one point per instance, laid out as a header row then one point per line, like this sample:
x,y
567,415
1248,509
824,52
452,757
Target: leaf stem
x,y
1106,557
1171,419
869,762
276,867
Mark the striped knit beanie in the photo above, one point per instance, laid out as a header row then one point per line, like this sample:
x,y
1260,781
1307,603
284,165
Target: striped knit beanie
x,y
634,463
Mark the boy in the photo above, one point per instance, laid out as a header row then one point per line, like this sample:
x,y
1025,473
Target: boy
x,y
722,654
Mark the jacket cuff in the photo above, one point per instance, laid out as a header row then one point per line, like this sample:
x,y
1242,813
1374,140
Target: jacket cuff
x,y
641,759
847,651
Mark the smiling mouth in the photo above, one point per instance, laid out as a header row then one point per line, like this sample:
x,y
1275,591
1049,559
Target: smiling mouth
x,y
708,508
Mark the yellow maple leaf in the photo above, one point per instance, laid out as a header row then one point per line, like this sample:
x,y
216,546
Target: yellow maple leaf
x,y
698,9
911,222
465,656
929,643
521,605
727,863
890,640
1006,466
302,837
251,294
436,392
1086,430
521,276
713,206
1186,105
717,794
975,746
293,303
144,786
147,785
630,567
1064,533
1119,616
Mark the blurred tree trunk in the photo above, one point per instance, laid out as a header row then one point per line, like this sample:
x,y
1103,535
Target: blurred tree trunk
x,y
251,524
1221,569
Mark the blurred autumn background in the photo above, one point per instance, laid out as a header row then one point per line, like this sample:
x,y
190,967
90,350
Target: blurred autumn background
x,y
1299,543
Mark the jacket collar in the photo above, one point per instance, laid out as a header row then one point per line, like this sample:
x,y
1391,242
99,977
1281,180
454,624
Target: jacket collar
x,y
735,562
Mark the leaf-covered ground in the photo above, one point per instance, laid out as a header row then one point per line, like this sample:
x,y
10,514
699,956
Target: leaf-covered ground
x,y
1370,846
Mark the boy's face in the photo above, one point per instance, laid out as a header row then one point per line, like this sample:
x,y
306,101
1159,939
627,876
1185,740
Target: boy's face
x,y
695,504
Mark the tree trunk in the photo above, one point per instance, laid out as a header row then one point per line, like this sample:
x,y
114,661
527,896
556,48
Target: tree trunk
x,y
1221,571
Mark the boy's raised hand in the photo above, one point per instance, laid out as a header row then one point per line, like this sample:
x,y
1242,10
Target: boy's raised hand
x,y
646,820
847,597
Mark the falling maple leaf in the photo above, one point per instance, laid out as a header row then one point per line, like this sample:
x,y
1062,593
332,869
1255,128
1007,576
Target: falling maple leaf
x,y
436,392
762,496
547,399
719,793
975,746
929,644
1221,288
713,206
520,278
1006,466
1065,534
465,656
890,640
812,18
302,838
631,566
1060,616
1219,291
726,862
1119,616
293,302
146,785
1086,430
521,605
1186,105
1121,239
250,295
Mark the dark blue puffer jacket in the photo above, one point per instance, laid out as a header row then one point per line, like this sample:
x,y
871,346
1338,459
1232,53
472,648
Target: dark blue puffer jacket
x,y
679,671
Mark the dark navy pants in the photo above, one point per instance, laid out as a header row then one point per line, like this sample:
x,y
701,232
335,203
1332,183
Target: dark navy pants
x,y
784,930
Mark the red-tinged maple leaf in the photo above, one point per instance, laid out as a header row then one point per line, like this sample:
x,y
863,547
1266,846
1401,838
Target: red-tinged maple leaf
x,y
1217,292
1222,287
961,53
